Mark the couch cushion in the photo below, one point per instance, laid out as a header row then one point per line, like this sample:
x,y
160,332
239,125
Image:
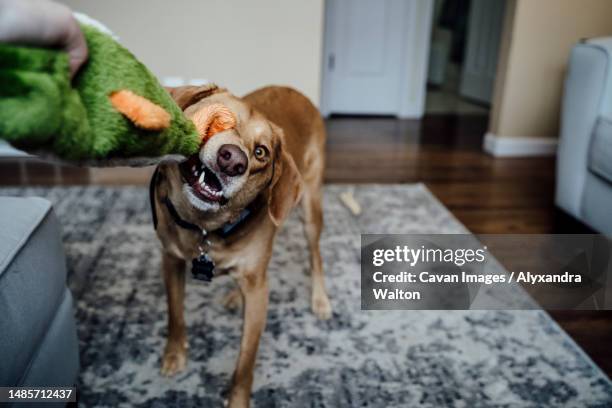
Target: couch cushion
x,y
604,46
56,362
32,281
600,157
18,218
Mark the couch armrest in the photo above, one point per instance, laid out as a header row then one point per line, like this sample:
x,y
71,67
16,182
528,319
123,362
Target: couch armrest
x,y
583,101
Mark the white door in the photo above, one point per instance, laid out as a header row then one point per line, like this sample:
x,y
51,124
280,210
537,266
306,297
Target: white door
x,y
484,35
365,46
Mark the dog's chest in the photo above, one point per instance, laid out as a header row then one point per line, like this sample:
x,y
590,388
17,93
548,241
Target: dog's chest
x,y
224,256
241,249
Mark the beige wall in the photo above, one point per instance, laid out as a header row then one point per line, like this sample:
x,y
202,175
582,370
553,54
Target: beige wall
x,y
240,44
533,56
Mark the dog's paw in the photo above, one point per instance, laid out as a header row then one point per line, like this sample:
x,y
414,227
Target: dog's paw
x,y
173,361
233,300
321,306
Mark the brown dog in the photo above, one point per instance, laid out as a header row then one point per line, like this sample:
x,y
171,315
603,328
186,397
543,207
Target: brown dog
x,y
223,206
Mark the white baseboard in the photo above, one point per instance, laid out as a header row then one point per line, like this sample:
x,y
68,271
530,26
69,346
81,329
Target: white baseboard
x,y
507,146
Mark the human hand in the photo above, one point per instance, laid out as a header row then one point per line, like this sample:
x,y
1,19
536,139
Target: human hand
x,y
43,23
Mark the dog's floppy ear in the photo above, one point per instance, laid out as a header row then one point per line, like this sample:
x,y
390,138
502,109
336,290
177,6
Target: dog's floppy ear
x,y
185,96
286,185
209,119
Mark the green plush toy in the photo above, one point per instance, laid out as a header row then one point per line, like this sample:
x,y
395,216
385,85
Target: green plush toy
x,y
113,109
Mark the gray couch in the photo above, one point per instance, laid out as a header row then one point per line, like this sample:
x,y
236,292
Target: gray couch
x,y
584,163
38,342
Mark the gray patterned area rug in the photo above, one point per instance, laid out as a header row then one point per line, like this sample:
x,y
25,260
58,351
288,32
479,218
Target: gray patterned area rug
x,y
358,358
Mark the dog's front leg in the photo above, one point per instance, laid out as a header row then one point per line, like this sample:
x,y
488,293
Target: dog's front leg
x,y
254,288
175,353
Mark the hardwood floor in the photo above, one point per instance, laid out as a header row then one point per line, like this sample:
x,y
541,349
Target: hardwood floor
x,y
488,195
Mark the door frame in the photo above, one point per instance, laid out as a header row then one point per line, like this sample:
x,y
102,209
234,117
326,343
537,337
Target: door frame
x,y
418,19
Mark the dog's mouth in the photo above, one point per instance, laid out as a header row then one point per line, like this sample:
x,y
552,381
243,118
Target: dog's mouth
x,y
203,181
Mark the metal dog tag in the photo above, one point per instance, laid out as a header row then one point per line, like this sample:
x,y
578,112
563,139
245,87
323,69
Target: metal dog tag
x,y
203,268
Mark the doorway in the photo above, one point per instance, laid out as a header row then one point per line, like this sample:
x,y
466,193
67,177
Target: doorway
x,y
464,49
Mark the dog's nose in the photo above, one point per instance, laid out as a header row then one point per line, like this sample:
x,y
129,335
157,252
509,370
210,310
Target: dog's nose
x,y
231,160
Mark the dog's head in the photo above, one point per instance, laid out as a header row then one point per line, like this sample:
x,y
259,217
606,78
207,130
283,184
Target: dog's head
x,y
243,155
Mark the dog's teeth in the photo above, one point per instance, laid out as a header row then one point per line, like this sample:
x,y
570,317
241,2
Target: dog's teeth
x,y
193,168
201,179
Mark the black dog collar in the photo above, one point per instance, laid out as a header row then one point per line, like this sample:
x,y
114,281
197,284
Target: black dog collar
x,y
223,231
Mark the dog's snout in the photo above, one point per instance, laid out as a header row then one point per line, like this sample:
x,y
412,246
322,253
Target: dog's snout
x,y
231,160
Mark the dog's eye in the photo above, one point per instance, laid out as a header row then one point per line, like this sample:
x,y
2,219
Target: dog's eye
x,y
261,152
